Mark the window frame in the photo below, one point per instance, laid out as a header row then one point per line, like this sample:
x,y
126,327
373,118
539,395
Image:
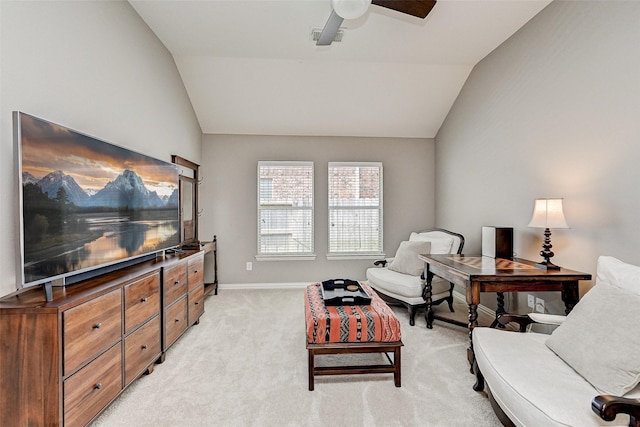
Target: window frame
x,y
284,256
376,254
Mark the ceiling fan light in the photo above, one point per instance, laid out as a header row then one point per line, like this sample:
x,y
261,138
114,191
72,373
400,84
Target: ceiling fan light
x,y
350,9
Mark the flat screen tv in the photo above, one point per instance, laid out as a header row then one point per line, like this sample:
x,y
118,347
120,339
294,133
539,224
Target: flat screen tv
x,y
87,205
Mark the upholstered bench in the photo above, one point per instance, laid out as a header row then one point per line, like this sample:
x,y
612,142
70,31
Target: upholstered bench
x,y
350,329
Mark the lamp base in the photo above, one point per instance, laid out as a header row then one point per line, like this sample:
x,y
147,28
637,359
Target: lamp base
x,y
546,253
547,265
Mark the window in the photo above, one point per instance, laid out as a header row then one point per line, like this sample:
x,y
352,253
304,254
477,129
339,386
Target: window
x,y
355,209
285,210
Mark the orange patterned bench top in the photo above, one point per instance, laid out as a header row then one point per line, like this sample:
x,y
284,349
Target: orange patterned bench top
x,y
349,323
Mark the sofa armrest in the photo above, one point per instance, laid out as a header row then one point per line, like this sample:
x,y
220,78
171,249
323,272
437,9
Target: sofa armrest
x,y
383,262
607,407
547,319
524,320
521,319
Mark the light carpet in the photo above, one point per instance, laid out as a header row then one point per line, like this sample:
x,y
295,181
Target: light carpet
x,y
245,364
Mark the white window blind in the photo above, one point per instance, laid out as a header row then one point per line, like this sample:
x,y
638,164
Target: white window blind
x,y
355,209
285,209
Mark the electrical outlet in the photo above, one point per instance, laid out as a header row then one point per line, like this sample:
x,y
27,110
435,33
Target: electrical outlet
x,y
531,301
249,266
539,305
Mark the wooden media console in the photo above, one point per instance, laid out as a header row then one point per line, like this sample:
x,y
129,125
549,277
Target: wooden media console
x,y
62,362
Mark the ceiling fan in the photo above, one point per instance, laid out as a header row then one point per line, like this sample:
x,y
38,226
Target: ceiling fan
x,y
352,9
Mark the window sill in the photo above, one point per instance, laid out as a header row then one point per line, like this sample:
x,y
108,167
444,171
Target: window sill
x,y
348,257
310,257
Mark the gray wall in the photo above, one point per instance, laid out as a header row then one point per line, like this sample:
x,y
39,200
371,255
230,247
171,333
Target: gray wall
x,y
93,66
553,112
228,199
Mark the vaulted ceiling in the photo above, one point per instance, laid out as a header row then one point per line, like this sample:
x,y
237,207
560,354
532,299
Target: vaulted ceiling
x,y
250,66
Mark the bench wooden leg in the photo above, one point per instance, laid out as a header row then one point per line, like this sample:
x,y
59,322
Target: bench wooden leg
x,y
311,369
397,365
393,367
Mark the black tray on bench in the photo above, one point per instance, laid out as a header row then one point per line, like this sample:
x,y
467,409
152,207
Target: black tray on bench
x,y
344,292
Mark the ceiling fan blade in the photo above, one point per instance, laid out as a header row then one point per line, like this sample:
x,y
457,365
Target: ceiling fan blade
x,y
417,8
330,29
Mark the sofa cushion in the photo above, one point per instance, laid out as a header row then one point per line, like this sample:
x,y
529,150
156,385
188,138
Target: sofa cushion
x,y
612,271
439,245
406,260
600,339
531,384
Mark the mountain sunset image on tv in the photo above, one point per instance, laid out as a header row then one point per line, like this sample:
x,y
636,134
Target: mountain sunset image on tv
x,y
86,203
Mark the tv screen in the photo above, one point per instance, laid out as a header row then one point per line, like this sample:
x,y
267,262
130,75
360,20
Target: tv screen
x,y
86,203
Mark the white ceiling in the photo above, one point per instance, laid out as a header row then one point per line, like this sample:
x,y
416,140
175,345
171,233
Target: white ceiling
x,y
250,67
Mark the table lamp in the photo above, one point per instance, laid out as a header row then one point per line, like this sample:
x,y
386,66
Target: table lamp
x,y
547,214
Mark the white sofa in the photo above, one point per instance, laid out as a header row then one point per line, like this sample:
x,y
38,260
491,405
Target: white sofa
x,y
400,279
538,379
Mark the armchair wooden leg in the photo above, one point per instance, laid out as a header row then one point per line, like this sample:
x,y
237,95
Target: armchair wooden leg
x,y
429,317
412,315
450,302
450,298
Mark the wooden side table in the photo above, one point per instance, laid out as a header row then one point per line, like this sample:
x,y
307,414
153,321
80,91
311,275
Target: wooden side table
x,y
478,274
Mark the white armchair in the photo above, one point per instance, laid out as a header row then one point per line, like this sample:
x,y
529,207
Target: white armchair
x,y
400,280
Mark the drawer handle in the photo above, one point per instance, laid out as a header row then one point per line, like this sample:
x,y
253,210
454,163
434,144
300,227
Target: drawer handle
x,y
144,346
196,271
97,386
177,320
143,300
97,326
196,303
177,282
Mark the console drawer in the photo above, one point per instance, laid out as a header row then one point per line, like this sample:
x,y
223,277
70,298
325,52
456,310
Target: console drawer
x,y
141,348
141,301
175,321
90,328
174,282
196,304
195,272
93,387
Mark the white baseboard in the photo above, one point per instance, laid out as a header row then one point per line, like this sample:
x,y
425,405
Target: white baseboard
x,y
245,286
301,285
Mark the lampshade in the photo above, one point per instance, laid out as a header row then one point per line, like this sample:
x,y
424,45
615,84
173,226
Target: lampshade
x,y
547,213
350,9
